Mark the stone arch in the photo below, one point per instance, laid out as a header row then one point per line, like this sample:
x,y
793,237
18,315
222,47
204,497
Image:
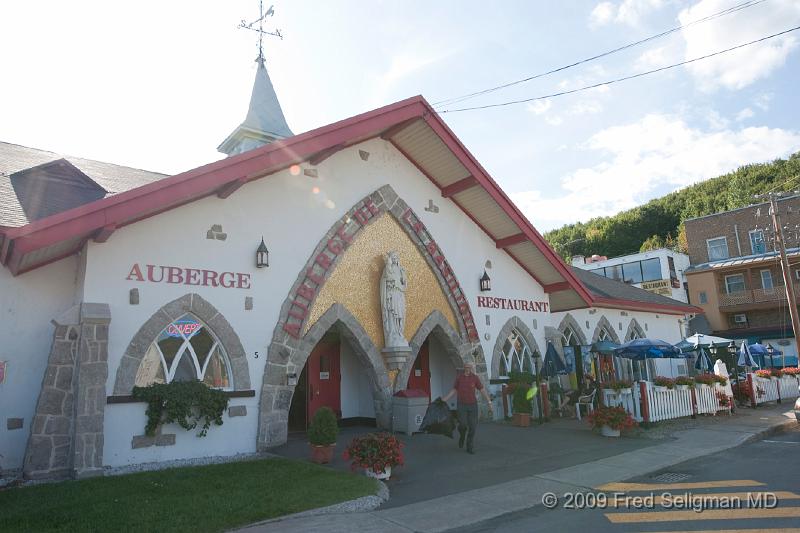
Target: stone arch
x,y
569,322
634,326
211,317
288,340
511,324
458,351
604,323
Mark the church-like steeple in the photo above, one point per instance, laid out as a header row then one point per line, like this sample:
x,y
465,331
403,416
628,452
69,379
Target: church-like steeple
x,y
264,123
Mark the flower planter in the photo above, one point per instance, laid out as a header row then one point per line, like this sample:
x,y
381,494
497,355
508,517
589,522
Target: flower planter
x,y
521,420
385,474
682,387
626,391
608,431
322,454
659,388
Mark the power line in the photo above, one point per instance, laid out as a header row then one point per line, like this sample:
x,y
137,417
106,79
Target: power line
x,y
625,78
718,14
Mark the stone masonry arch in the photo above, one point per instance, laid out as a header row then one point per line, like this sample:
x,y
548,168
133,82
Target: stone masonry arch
x,y
208,314
604,323
458,350
634,326
289,345
513,323
569,322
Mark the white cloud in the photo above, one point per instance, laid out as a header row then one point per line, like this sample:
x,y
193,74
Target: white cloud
x,y
585,107
762,101
652,58
539,107
643,157
744,114
739,68
628,12
554,120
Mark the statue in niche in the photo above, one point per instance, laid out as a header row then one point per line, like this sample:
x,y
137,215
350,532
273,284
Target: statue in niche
x,y
393,302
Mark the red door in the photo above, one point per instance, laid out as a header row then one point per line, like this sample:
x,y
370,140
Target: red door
x,y
324,379
420,377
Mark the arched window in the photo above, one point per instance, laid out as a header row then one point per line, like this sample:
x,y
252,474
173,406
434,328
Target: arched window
x,y
516,356
636,333
185,350
604,335
570,338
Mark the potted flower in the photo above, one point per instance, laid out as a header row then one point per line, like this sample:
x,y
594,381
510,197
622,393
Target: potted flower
x,y
621,386
683,382
791,371
376,453
706,379
765,374
521,406
724,401
322,434
776,373
663,383
721,381
610,420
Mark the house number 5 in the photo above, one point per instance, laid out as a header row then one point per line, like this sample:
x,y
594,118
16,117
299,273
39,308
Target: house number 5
x,y
255,355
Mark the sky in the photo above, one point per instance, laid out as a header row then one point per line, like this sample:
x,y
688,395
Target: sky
x,y
158,85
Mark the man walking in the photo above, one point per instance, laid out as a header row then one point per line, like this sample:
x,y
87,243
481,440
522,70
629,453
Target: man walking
x,y
465,386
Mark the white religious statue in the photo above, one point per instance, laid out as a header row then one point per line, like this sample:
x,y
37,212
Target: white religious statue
x,y
393,302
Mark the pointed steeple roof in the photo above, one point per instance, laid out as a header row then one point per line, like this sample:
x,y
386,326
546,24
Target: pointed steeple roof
x,y
264,123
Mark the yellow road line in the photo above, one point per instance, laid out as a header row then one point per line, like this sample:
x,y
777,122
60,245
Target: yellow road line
x,y
679,486
713,514
628,501
760,530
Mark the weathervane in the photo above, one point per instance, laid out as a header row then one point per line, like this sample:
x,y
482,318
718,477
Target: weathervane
x,y
260,29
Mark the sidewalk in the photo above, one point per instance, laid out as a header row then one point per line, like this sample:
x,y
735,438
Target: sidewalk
x,y
495,499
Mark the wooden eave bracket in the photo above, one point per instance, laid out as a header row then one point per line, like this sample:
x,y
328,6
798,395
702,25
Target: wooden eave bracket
x,y
556,287
459,186
322,155
104,233
512,240
230,188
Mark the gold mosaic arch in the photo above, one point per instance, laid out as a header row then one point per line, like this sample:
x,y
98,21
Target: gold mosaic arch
x,y
355,281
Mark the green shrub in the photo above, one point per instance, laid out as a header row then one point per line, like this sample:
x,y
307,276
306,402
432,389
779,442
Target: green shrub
x,y
323,429
521,402
182,402
524,378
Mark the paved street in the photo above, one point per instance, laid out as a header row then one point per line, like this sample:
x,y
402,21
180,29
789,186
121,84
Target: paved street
x,y
770,466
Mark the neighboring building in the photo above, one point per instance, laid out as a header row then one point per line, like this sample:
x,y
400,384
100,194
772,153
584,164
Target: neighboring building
x,y
660,271
113,277
736,275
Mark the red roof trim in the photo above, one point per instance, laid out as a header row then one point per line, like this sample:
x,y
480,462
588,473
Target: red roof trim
x,y
646,306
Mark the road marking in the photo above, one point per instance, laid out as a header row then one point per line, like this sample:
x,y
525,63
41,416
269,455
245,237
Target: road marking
x,y
776,530
781,442
624,487
626,501
712,514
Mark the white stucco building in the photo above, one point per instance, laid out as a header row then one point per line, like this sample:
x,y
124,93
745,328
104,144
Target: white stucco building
x,y
114,277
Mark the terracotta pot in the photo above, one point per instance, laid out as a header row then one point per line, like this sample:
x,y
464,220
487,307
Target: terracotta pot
x,y
322,454
521,420
607,431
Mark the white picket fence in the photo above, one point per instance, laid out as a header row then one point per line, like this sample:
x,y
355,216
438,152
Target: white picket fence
x,y
788,386
765,389
707,401
665,404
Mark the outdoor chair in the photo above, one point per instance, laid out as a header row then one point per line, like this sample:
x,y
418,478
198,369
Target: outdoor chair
x,y
588,401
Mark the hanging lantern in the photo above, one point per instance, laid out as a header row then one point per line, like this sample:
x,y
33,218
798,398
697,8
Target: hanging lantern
x,y
486,282
262,255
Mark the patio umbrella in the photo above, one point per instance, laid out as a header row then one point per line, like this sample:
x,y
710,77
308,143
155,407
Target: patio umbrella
x,y
605,347
642,349
703,363
761,352
698,340
552,363
745,357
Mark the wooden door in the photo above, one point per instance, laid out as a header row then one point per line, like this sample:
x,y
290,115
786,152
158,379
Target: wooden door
x,y
420,377
324,379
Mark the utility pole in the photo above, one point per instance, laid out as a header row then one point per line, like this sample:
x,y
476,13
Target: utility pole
x,y
787,273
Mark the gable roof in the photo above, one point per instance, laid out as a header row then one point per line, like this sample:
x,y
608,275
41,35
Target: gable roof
x,y
621,294
24,170
411,126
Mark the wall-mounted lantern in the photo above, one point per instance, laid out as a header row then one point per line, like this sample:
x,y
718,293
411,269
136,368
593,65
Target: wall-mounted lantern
x,y
262,255
486,282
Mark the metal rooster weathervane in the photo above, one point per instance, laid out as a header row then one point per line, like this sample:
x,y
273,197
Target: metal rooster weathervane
x,y
260,28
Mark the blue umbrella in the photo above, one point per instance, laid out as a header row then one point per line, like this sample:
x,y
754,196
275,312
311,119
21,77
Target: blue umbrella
x,y
640,349
745,357
604,347
552,363
761,352
703,363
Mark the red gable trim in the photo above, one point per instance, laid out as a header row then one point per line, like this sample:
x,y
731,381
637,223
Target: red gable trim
x,y
136,204
677,309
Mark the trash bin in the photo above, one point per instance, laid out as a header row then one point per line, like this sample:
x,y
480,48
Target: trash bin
x,y
408,410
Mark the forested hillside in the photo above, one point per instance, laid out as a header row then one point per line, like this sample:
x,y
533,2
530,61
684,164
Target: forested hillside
x,y
659,222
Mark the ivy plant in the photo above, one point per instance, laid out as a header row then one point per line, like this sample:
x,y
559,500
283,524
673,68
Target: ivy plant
x,y
185,403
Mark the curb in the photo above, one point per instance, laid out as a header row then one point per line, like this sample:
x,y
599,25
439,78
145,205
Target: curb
x,y
770,431
359,505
